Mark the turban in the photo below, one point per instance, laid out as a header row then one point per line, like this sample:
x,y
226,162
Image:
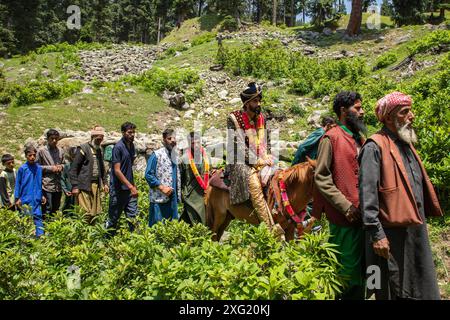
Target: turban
x,y
251,92
389,102
97,130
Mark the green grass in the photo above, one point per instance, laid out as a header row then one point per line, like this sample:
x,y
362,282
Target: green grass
x,y
32,67
78,112
192,28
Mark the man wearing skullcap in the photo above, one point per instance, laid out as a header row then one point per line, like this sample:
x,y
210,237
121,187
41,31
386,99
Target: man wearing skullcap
x,y
396,196
88,175
248,153
336,192
51,158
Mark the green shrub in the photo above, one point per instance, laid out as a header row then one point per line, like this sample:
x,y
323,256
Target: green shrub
x,y
157,80
170,52
171,260
40,91
229,24
203,38
385,60
431,40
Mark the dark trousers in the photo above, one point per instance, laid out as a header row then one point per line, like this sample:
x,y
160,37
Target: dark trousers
x,y
121,200
68,205
53,202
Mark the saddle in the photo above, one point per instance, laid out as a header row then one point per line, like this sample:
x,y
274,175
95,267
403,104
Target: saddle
x,y
216,180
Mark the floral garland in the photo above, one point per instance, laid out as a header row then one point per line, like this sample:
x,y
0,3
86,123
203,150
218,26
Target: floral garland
x,y
257,142
205,181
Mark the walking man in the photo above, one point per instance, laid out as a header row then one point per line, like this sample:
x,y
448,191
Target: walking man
x,y
123,192
163,177
336,192
88,175
51,159
396,195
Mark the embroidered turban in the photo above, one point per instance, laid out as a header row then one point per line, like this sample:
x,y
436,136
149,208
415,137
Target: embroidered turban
x,y
389,102
252,91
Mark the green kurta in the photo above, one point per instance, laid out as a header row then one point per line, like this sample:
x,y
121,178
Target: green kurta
x,y
191,193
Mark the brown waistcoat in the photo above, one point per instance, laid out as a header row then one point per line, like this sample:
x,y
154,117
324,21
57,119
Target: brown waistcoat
x,y
345,172
397,205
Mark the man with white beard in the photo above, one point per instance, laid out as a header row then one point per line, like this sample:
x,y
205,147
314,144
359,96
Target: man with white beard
x,y
396,195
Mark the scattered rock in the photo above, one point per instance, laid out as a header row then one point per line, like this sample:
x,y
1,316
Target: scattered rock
x,y
235,101
223,94
45,73
188,114
314,118
291,121
130,90
216,67
209,110
177,101
326,99
37,108
327,31
87,90
403,39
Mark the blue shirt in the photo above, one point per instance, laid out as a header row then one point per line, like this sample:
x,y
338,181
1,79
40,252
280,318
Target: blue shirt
x,y
121,154
29,183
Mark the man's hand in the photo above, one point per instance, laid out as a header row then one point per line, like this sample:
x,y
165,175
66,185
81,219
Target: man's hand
x,y
381,248
68,193
75,191
44,200
353,214
56,169
269,161
18,203
134,192
106,189
166,190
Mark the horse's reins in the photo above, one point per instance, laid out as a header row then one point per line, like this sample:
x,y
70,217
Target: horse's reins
x,y
297,218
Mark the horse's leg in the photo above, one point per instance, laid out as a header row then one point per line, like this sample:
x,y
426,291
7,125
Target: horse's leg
x,y
224,225
219,212
289,232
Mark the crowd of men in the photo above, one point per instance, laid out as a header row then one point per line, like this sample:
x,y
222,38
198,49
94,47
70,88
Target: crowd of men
x,y
375,192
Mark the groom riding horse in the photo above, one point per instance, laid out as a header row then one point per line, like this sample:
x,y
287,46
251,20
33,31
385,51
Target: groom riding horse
x,y
249,167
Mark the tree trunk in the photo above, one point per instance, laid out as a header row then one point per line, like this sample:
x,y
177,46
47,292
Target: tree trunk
x,y
274,12
159,31
293,13
200,5
354,25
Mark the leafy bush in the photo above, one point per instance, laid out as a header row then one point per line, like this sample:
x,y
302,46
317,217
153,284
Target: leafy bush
x,y
385,60
40,91
170,52
229,23
431,40
171,260
271,60
203,38
157,80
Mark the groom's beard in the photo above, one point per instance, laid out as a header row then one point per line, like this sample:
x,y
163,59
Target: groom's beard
x,y
405,132
355,123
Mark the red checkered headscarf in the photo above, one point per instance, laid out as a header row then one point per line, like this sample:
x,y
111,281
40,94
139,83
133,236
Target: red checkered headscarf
x,y
389,102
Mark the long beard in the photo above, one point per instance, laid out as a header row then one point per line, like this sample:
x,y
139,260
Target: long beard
x,y
356,124
405,133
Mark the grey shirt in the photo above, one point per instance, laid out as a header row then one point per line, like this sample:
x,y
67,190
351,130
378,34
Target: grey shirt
x,y
369,180
46,157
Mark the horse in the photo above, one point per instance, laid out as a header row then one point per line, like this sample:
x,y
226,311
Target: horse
x,y
299,181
